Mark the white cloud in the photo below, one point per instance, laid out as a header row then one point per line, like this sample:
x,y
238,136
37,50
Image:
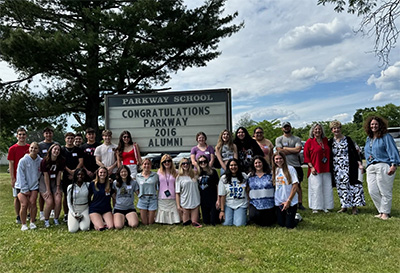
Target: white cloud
x,y
343,117
319,34
379,96
338,69
304,73
389,79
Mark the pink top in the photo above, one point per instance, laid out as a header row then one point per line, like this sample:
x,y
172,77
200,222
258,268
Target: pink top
x,y
167,182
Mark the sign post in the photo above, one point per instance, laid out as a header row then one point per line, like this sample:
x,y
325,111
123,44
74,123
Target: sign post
x,y
168,122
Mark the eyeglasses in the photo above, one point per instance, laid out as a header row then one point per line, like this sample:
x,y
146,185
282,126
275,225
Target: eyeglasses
x,y
125,137
167,161
203,162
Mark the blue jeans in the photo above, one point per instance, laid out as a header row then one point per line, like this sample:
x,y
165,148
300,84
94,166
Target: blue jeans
x,y
237,217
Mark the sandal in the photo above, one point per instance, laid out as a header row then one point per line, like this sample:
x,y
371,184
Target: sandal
x,y
342,210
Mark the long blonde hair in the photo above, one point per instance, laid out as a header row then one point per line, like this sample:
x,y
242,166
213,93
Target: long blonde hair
x,y
285,169
97,180
190,172
162,169
221,143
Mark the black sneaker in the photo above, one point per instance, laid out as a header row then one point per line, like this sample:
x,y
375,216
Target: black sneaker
x,y
65,218
18,220
301,207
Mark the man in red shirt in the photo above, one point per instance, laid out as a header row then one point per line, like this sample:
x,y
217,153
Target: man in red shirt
x,y
15,153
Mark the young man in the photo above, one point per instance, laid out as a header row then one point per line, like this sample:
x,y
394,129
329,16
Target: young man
x,y
15,153
291,146
44,146
73,159
89,160
105,154
78,140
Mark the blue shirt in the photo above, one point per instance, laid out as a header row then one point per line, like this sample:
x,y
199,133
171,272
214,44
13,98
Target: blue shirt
x,y
381,150
261,192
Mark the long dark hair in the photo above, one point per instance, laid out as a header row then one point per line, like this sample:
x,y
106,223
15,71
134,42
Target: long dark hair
x,y
59,158
75,179
119,178
121,143
247,137
228,173
207,169
266,167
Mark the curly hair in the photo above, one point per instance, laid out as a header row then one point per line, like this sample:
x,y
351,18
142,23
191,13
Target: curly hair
x,y
383,125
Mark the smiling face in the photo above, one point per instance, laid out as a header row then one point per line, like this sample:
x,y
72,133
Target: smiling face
x,y
337,131
33,149
201,140
80,176
233,167
107,139
48,136
21,136
69,140
240,134
317,131
374,125
91,137
78,141
258,165
185,164
123,173
225,136
167,163
102,174
146,166
259,134
287,129
278,160
126,138
55,152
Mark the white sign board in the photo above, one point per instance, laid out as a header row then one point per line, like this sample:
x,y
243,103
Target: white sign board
x,y
168,122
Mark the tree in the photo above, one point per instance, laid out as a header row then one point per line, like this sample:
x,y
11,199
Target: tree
x,y
86,49
359,115
245,121
378,18
272,129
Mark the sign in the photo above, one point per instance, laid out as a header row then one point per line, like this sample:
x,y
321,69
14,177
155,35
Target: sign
x,y
168,122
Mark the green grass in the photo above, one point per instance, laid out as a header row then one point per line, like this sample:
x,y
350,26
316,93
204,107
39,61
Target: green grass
x,y
321,243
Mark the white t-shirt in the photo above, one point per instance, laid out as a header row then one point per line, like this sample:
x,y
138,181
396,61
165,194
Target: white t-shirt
x,y
107,154
189,191
235,192
283,189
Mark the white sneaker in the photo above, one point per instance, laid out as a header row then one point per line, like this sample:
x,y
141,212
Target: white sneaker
x,y
56,222
298,217
52,213
32,226
24,227
46,223
315,211
326,210
41,216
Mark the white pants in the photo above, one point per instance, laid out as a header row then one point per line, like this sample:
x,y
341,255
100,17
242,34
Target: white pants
x,y
320,193
74,225
380,186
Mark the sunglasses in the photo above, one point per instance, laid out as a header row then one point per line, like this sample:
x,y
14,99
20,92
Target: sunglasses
x,y
203,162
185,163
125,137
167,161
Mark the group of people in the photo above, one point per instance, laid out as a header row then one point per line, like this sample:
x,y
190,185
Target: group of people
x,y
257,185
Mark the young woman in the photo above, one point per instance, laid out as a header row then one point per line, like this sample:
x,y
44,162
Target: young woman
x,y
208,185
124,193
261,193
100,193
148,183
286,186
233,196
202,149
52,166
382,160
247,148
187,193
78,202
225,149
128,153
167,211
27,185
265,144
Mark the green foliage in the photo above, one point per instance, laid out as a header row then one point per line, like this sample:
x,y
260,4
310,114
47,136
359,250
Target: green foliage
x,y
245,121
85,49
272,129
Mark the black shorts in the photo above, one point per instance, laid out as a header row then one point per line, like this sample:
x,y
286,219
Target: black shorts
x,y
124,212
300,173
64,184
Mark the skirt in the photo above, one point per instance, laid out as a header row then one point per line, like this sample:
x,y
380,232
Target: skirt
x,y
167,212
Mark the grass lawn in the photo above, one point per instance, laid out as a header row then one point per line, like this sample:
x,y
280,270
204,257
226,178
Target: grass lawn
x,y
321,243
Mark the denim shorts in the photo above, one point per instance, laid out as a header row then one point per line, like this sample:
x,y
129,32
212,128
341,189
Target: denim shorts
x,y
147,202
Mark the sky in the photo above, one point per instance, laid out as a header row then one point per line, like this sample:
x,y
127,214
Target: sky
x,y
293,61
